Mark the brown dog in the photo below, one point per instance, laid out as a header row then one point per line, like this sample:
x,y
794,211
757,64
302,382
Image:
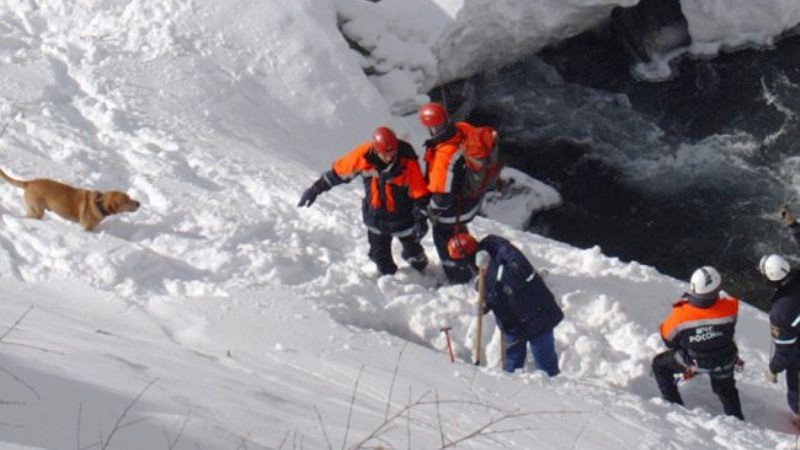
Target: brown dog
x,y
88,208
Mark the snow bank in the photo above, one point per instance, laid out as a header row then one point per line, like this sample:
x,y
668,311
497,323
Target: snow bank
x,y
518,198
724,24
716,26
414,45
411,46
487,33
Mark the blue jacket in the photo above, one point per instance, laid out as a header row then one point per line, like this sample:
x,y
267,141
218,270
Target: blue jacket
x,y
522,304
784,319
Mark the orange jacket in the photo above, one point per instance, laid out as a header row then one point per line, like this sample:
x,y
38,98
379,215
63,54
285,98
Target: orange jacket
x,y
703,334
391,191
444,174
442,159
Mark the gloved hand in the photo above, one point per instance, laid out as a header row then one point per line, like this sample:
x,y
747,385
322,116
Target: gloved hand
x,y
482,259
310,194
308,197
771,377
787,217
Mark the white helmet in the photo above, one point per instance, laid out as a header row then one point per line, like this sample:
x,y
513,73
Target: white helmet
x,y
774,267
705,282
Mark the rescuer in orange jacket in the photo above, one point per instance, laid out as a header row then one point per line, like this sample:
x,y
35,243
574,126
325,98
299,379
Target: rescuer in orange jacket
x,y
449,210
395,196
699,333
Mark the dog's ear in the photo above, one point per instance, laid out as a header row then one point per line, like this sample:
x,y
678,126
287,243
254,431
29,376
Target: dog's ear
x,y
111,202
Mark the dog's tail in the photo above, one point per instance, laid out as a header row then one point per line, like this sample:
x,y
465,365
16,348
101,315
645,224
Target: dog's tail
x,y
13,182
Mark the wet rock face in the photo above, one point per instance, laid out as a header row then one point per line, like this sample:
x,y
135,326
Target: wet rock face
x,y
651,27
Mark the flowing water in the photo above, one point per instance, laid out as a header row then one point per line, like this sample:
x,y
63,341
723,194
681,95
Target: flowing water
x,y
675,174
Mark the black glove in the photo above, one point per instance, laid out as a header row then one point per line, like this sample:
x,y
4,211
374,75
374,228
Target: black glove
x,y
310,194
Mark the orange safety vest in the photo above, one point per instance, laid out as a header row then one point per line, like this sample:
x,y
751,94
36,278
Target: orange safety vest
x,y
685,316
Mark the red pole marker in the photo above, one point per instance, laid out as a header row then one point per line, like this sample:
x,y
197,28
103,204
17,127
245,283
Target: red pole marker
x,y
446,330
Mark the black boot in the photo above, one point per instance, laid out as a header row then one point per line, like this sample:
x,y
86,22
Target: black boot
x,y
380,252
457,273
413,253
387,268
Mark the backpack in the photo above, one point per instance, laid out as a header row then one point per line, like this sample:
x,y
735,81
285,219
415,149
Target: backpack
x,y
480,150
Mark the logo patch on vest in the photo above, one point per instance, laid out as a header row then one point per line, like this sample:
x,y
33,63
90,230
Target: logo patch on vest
x,y
702,334
775,331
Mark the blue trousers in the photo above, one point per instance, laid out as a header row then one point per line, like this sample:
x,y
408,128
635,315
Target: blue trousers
x,y
543,348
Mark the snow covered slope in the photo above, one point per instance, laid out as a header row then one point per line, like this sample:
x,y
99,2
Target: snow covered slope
x,y
411,46
221,316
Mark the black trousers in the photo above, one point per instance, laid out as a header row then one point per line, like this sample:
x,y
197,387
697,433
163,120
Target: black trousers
x,y
456,271
380,252
665,366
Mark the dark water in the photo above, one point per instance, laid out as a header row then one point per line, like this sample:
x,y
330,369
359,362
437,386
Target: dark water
x,y
675,174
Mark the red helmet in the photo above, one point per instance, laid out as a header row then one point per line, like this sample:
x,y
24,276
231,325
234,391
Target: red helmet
x,y
461,245
432,115
384,140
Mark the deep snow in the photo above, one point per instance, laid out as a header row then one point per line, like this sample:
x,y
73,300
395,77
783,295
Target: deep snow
x,y
222,316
